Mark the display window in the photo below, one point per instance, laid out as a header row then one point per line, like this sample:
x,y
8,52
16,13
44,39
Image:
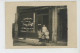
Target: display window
x,y
27,23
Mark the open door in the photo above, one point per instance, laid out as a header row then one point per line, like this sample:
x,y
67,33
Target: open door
x,y
43,20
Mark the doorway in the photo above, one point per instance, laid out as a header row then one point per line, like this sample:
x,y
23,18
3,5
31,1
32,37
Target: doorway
x,y
62,25
43,20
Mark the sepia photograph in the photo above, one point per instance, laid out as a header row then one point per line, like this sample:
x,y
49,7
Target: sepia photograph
x,y
41,24
34,25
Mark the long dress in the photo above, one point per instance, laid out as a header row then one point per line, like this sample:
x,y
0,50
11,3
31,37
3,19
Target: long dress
x,y
45,32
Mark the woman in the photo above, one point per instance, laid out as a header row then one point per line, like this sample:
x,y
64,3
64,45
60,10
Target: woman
x,y
45,33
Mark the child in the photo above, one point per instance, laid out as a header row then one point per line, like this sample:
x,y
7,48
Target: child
x,y
39,35
47,36
43,37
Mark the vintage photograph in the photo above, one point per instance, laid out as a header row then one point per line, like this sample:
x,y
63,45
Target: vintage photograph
x,y
40,26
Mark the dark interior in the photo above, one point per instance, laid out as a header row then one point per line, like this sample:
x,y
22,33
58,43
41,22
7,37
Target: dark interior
x,y
43,20
62,25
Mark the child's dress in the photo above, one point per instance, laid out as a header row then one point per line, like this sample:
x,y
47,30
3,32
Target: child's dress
x,y
39,34
47,35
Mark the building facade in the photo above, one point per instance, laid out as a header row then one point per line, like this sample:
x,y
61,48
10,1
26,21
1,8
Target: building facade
x,y
28,19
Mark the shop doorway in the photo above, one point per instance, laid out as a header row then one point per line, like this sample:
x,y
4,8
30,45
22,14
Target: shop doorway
x,y
43,20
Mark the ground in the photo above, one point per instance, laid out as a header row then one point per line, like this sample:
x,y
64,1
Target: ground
x,y
35,42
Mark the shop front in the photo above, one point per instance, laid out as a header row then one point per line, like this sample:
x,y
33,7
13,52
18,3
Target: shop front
x,y
31,19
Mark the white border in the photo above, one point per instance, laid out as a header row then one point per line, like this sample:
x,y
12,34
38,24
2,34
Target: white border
x,y
45,50
39,0
34,0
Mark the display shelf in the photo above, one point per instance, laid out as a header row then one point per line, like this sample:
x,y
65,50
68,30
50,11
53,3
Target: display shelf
x,y
27,25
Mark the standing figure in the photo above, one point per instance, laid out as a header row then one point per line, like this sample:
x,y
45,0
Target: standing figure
x,y
39,35
45,33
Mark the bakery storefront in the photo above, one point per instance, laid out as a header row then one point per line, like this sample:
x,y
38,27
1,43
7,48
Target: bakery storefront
x,y
28,19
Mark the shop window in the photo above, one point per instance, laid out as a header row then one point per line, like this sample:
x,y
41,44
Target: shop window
x,y
27,23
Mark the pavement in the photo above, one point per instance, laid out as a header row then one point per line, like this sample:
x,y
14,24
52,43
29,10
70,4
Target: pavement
x,y
35,42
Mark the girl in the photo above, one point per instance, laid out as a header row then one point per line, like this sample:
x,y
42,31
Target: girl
x,y
39,35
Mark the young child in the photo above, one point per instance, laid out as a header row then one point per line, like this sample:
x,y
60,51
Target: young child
x,y
39,35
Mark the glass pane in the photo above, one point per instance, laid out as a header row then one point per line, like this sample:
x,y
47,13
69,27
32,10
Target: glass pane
x,y
27,23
